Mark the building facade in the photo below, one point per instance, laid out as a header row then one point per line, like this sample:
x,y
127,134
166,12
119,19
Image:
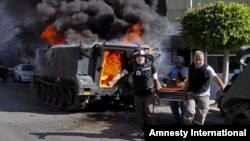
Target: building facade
x,y
173,46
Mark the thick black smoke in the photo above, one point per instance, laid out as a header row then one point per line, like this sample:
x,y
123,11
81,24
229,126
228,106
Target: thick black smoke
x,y
22,10
85,21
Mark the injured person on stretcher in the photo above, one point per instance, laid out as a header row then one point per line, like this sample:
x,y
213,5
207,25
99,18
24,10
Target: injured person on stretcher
x,y
174,88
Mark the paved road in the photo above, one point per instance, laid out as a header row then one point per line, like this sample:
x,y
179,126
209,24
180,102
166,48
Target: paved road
x,y
22,118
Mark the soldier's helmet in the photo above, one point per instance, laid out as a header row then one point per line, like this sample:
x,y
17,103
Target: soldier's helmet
x,y
139,52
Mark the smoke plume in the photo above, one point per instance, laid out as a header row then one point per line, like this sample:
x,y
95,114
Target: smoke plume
x,y
21,10
85,21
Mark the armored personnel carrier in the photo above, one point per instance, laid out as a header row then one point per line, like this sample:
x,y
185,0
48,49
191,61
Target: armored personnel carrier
x,y
70,77
235,101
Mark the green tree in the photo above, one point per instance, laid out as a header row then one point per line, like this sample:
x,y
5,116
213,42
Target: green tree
x,y
217,26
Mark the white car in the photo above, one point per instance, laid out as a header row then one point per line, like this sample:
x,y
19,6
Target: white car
x,y
23,73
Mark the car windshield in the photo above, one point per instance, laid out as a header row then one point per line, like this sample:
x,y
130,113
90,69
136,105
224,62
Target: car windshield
x,y
27,68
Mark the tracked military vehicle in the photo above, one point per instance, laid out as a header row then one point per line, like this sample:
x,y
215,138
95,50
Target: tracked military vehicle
x,y
70,77
235,102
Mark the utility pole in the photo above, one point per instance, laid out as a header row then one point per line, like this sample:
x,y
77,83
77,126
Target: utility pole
x,y
191,51
191,3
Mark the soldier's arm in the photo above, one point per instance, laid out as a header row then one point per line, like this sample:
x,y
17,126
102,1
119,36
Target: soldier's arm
x,y
117,77
157,84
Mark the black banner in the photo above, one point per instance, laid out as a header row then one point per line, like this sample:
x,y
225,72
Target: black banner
x,y
187,132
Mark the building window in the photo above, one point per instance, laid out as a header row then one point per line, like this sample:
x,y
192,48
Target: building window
x,y
216,61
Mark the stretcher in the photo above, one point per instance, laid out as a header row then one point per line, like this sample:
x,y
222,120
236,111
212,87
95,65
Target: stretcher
x,y
171,93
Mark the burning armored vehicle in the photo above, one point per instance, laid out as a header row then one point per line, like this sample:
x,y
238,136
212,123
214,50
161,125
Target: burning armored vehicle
x,y
70,77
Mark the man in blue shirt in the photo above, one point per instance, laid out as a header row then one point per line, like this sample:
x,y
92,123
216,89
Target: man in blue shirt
x,y
177,107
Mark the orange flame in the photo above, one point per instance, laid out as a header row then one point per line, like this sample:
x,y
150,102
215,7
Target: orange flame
x,y
111,66
52,36
134,33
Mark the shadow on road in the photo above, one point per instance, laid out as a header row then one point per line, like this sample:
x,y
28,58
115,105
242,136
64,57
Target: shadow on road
x,y
105,134
102,126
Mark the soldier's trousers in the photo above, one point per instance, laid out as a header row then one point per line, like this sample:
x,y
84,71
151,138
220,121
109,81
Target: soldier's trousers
x,y
144,108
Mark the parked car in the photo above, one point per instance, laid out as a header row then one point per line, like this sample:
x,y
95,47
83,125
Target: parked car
x,y
4,73
23,73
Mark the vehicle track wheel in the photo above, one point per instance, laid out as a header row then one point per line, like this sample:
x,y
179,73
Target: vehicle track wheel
x,y
41,93
69,97
60,98
239,114
47,94
53,99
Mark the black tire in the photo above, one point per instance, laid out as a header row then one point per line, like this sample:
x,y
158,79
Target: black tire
x,y
5,79
222,111
238,114
14,79
20,78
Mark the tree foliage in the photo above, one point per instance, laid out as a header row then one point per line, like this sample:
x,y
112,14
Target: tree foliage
x,y
217,26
